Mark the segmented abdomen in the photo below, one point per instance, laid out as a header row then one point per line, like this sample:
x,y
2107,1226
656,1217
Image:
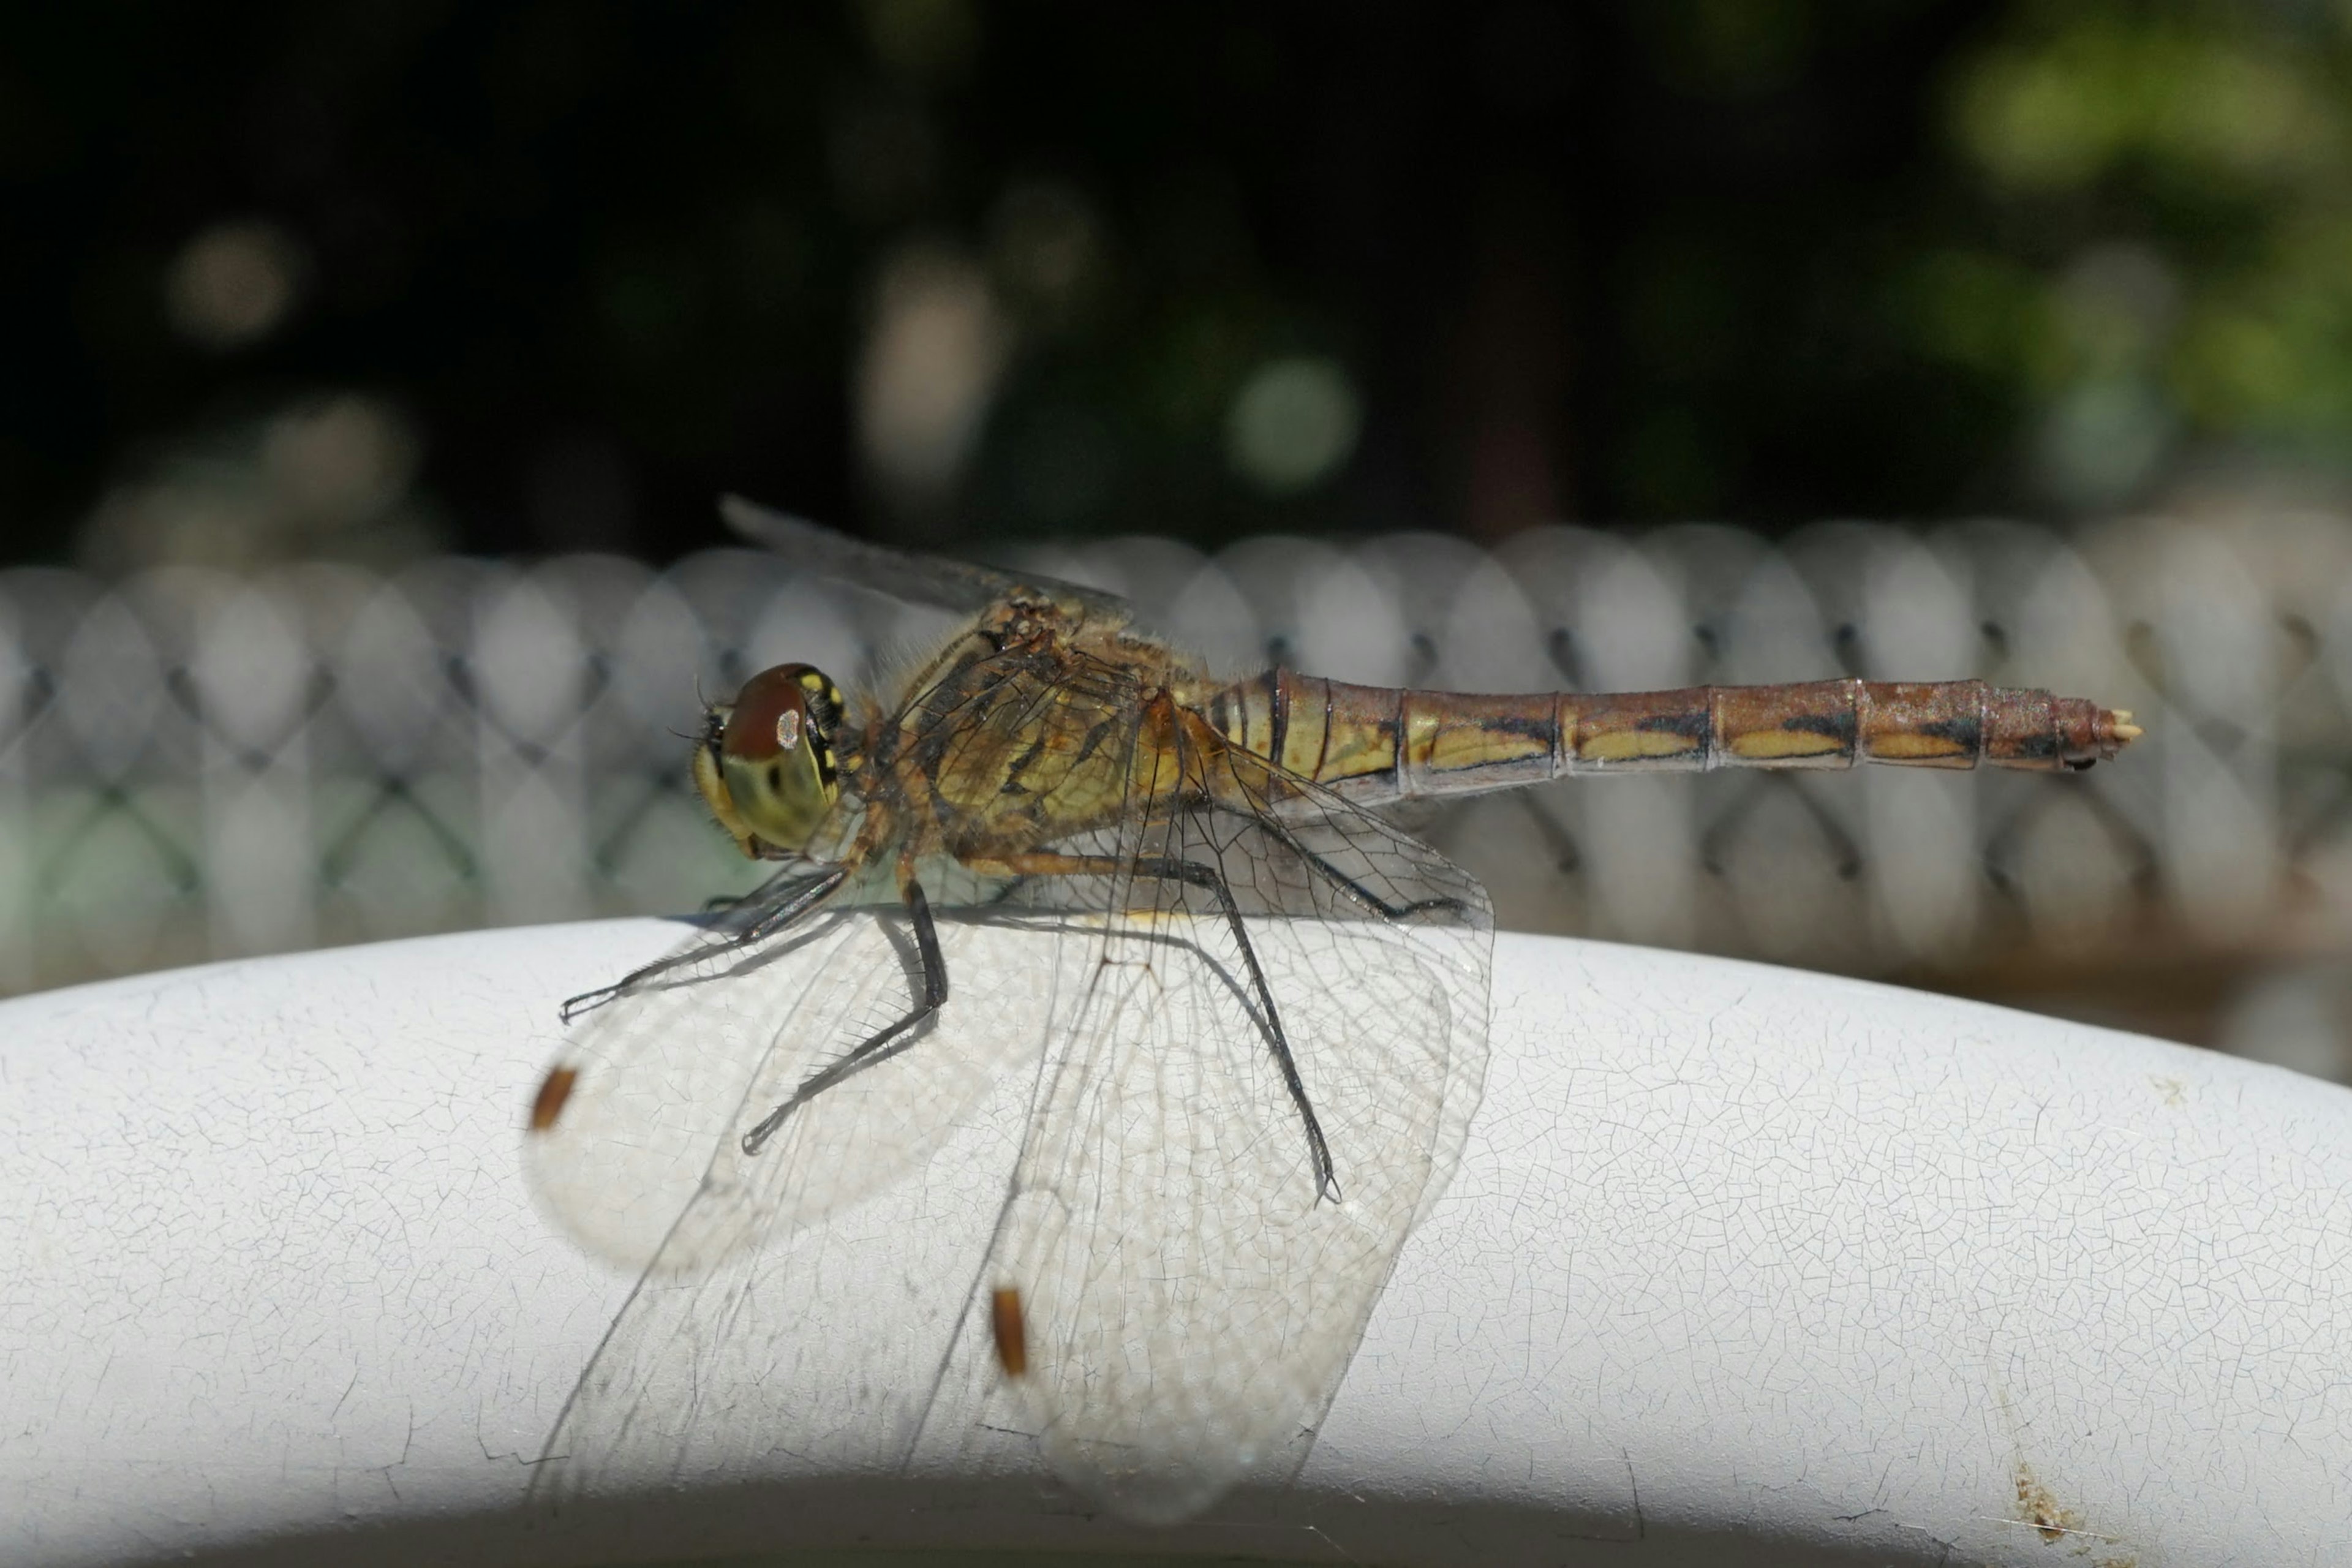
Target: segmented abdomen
x,y
1377,743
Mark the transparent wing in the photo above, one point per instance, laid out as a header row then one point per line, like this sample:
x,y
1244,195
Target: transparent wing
x,y
917,579
643,1163
1193,1286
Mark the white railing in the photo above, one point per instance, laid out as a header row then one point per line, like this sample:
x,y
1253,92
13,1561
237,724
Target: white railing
x,y
195,765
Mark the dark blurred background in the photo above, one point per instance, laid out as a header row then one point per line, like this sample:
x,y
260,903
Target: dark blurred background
x,y
366,277
371,369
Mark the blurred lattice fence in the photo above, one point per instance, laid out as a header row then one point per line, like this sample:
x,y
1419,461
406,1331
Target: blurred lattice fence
x,y
196,766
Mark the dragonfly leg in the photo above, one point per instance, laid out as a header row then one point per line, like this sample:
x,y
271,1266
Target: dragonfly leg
x,y
1194,873
879,1047
1386,909
801,899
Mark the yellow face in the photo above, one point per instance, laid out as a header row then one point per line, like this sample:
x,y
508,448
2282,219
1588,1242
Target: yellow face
x,y
765,764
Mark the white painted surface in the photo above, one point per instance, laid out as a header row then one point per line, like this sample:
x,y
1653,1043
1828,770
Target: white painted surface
x,y
1742,1265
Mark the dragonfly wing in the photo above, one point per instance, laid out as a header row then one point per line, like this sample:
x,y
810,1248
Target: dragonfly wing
x,y
917,579
643,1163
1192,1290
1189,1269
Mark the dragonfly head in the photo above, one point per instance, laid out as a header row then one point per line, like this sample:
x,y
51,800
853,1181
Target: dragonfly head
x,y
765,762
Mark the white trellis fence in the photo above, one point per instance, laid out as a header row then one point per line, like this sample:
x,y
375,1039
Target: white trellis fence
x,y
195,765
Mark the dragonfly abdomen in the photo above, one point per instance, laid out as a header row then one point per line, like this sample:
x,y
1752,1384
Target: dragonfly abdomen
x,y
1377,743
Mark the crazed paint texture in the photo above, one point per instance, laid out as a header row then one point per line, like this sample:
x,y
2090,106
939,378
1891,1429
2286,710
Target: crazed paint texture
x,y
1733,1255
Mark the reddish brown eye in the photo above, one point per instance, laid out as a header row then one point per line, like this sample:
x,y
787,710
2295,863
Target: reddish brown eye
x,y
769,702
774,777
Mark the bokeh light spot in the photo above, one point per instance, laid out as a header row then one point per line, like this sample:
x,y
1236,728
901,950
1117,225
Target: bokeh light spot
x,y
927,40
2102,439
1295,423
234,283
929,370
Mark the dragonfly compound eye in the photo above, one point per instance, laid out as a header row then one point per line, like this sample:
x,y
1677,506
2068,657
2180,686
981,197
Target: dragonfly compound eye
x,y
774,777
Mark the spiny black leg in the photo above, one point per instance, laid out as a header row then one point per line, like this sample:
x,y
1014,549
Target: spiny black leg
x,y
1353,888
1200,876
802,900
880,1048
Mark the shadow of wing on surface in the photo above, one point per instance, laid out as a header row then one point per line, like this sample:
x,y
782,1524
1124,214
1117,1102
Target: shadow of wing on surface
x,y
742,1336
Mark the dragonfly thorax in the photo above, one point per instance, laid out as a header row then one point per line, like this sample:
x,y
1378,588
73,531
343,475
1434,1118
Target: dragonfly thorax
x,y
765,762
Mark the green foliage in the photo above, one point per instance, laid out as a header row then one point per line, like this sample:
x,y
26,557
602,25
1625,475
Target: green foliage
x,y
2167,200
1637,259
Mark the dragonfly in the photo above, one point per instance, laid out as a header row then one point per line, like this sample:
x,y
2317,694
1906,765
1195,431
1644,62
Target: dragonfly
x,y
1244,1015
